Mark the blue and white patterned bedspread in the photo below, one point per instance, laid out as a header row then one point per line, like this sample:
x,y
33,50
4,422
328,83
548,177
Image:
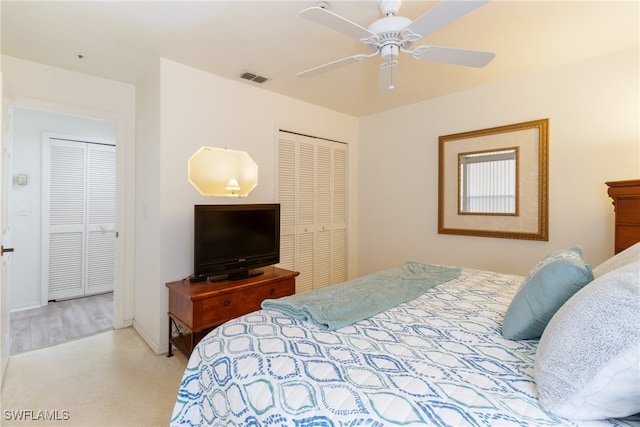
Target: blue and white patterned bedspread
x,y
437,360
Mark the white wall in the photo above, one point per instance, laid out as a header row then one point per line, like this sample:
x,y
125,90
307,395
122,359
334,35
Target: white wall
x,y
32,85
148,278
196,109
25,207
593,111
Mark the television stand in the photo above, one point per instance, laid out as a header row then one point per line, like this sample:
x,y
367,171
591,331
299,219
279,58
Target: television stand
x,y
197,307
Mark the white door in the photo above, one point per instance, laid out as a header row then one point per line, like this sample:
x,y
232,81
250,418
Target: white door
x,y
79,194
312,191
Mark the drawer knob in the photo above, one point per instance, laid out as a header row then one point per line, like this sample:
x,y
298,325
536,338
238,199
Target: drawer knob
x,y
226,303
272,291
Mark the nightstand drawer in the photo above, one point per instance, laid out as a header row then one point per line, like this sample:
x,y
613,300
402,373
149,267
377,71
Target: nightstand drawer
x,y
225,307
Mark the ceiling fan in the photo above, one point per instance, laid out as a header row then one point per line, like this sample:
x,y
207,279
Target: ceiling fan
x,y
392,34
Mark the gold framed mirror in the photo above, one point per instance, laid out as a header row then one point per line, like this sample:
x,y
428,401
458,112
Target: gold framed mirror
x,y
494,182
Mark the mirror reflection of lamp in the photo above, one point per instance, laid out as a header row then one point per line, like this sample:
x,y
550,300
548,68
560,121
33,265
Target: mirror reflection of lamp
x,y
233,187
222,172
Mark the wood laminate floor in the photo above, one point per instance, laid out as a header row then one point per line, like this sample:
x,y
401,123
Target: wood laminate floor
x,y
59,322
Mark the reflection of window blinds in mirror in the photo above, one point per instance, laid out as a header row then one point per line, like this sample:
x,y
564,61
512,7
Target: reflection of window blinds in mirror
x,y
489,182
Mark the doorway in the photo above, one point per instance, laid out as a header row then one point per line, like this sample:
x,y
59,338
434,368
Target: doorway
x,y
25,201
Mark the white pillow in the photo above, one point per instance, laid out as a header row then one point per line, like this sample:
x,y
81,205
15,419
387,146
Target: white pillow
x,y
631,254
587,364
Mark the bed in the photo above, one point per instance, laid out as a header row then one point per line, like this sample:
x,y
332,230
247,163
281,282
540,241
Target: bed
x,y
557,347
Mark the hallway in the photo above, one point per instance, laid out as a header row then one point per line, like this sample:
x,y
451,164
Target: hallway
x,y
59,322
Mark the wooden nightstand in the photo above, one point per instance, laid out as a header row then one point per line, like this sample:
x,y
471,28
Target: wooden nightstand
x,y
196,308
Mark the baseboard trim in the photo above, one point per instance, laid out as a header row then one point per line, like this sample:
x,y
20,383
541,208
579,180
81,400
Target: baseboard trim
x,y
155,347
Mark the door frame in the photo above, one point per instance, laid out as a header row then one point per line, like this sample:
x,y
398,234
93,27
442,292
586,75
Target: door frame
x,y
123,293
5,327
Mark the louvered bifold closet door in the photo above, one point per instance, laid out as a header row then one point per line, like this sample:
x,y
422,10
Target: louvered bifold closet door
x,y
331,214
322,274
79,236
305,224
65,252
101,218
286,187
339,214
312,183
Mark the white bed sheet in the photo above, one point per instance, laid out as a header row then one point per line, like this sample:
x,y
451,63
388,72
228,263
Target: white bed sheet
x,y
437,360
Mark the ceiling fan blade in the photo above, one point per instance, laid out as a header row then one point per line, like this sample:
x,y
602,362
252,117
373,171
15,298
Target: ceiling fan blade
x,y
449,55
329,19
331,65
387,76
438,16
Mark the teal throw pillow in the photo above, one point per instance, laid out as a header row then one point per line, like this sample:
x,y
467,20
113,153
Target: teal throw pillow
x,y
554,280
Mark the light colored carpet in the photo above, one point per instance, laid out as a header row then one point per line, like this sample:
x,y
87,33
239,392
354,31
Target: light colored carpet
x,y
109,379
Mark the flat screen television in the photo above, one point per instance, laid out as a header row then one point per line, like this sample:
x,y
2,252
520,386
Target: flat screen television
x,y
234,241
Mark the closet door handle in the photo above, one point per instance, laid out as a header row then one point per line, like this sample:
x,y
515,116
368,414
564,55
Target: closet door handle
x,y
3,250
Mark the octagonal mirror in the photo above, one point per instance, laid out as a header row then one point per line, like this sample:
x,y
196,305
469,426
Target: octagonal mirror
x,y
222,172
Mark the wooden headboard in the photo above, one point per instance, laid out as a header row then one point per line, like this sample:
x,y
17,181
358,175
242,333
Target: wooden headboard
x,y
626,202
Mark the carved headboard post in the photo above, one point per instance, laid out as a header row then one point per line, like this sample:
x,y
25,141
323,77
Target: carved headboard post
x,y
626,202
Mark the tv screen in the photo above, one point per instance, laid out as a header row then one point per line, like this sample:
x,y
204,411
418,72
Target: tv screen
x,y
233,241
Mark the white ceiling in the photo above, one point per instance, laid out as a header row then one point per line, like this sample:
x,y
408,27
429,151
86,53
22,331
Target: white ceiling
x,y
122,40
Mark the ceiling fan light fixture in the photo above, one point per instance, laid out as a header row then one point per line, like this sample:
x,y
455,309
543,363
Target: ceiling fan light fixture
x,y
389,52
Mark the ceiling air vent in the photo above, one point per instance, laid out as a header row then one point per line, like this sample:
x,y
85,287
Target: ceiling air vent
x,y
253,77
